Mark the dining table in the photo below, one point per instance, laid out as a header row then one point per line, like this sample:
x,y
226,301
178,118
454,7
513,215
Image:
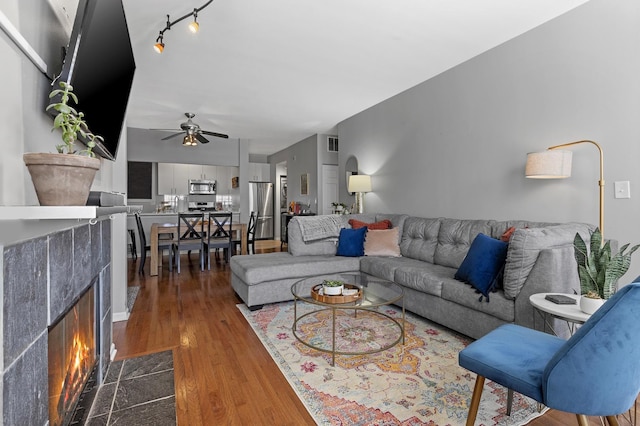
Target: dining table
x,y
158,229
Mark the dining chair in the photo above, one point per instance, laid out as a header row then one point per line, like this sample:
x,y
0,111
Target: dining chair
x,y
220,234
132,244
594,373
191,236
251,233
144,247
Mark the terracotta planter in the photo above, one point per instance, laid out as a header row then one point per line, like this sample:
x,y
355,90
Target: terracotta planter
x,y
61,179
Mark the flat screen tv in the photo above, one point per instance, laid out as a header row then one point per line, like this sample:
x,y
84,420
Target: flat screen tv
x,y
99,64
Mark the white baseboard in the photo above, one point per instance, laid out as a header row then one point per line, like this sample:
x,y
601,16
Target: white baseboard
x,y
120,316
113,352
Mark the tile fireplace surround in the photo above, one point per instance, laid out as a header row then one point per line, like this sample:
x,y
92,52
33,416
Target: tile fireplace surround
x,y
41,278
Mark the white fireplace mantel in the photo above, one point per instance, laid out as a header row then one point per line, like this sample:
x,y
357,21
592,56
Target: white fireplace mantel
x,y
20,223
61,212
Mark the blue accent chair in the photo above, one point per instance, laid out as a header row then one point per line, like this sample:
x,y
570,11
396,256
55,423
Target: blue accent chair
x,y
594,373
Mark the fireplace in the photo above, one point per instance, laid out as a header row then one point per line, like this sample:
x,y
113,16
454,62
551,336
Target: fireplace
x,y
56,291
72,357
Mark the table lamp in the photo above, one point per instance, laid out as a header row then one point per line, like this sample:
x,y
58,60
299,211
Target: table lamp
x,y
360,184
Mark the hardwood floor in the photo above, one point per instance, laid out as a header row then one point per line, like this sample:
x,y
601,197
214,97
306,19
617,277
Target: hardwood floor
x,y
223,374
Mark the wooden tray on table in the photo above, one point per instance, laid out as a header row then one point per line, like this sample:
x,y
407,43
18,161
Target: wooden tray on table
x,y
315,293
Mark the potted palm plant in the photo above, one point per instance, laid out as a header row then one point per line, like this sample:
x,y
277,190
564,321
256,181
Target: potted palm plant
x,y
64,178
599,271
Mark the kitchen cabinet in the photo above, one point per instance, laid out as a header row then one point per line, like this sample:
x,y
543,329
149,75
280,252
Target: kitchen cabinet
x,y
181,176
202,172
260,172
165,179
173,178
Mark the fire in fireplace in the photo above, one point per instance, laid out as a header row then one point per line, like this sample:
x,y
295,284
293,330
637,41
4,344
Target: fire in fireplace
x,y
72,357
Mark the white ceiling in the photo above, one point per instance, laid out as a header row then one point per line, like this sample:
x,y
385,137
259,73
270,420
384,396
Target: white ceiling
x,y
278,71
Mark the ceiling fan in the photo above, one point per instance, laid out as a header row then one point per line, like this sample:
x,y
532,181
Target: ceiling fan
x,y
193,133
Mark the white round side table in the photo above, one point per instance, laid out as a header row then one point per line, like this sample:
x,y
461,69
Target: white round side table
x,y
571,314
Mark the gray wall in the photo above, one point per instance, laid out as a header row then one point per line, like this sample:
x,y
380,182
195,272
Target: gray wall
x,y
25,127
301,157
456,144
306,156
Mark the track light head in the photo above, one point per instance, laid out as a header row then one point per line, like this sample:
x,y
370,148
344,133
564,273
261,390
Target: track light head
x,y
194,26
159,46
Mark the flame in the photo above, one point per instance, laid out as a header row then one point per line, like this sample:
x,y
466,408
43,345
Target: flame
x,y
80,352
72,356
76,372
78,368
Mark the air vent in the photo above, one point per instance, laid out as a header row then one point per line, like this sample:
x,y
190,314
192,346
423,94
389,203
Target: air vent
x,y
332,143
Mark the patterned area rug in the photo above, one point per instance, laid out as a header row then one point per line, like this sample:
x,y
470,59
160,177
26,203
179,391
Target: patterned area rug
x,y
418,383
132,294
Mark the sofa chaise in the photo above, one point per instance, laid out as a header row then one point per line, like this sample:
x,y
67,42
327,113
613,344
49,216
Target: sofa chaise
x,y
539,258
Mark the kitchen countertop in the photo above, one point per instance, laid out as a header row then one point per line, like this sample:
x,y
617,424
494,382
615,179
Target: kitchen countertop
x,y
176,213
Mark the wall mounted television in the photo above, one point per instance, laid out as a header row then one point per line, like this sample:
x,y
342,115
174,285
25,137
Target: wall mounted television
x,y
99,64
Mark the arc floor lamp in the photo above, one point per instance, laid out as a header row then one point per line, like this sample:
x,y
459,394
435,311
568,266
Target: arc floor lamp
x,y
555,163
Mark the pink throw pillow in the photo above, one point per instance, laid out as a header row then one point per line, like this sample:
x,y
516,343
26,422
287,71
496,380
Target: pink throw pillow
x,y
382,243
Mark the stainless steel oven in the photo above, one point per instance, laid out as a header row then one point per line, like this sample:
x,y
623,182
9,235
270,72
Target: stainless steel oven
x,y
202,187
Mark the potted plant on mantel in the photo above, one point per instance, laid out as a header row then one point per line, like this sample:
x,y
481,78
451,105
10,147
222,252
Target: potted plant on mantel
x,y
598,270
64,178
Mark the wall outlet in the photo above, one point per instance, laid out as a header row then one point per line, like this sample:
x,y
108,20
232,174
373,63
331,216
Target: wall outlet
x,y
622,189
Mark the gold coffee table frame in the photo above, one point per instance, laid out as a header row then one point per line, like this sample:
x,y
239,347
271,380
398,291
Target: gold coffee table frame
x,y
376,292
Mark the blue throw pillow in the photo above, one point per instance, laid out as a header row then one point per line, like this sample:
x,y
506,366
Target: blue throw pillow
x,y
483,264
351,242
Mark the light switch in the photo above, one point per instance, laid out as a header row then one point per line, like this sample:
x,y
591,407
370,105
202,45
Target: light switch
x,y
622,189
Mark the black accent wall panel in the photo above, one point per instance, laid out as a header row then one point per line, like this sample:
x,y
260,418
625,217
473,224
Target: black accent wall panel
x,y
139,180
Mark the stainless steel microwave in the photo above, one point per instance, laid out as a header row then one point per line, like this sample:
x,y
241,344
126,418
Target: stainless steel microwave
x,y
202,187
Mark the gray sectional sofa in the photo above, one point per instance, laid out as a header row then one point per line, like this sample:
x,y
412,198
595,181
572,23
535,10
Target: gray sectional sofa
x,y
539,259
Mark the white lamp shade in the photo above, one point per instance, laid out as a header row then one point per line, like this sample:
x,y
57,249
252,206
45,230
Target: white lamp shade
x,y
550,164
359,183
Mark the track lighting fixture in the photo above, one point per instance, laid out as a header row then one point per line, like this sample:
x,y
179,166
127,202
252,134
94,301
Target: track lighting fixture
x,y
193,27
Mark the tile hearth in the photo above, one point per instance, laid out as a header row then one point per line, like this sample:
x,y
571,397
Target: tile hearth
x,y
137,390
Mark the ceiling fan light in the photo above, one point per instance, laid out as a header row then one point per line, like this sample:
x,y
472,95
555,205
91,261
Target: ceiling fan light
x,y
158,47
189,140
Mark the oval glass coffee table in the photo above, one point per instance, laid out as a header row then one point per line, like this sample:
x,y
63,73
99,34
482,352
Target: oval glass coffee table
x,y
348,325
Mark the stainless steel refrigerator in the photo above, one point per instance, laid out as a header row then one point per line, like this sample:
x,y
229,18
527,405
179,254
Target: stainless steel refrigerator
x,y
261,201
